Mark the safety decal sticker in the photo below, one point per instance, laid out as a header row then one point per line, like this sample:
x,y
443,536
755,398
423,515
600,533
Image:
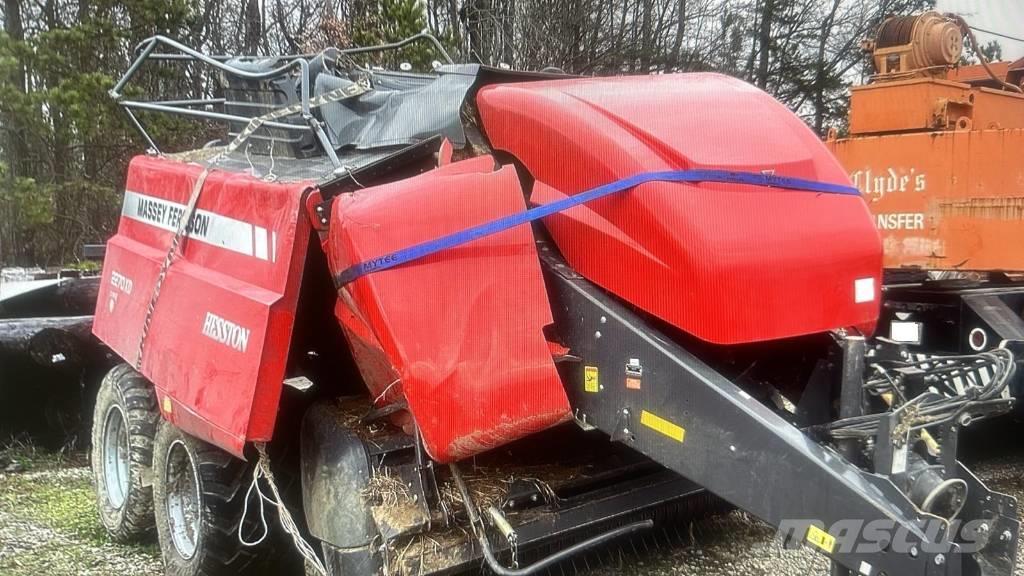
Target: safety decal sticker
x,y
634,372
659,424
821,539
591,382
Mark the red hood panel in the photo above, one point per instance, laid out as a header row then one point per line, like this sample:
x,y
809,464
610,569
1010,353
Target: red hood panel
x,y
727,263
459,334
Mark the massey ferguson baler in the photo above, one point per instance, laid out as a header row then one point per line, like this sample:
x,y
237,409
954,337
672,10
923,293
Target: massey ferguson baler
x,y
482,314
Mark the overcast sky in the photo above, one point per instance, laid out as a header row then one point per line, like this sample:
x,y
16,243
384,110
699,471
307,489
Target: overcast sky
x,y
1004,16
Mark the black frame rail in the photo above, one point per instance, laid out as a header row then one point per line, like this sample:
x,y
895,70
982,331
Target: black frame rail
x,y
691,419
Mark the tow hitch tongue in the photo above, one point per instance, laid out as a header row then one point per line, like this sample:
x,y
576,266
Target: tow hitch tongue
x,y
906,518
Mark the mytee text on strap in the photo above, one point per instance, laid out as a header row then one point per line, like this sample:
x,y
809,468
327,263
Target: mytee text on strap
x,y
428,247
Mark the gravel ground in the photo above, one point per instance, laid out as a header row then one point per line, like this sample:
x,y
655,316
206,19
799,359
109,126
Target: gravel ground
x,y
732,544
735,544
48,525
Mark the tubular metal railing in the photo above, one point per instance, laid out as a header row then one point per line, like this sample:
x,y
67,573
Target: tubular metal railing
x,y
201,107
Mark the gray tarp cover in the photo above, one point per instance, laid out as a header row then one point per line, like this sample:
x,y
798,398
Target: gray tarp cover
x,y
401,109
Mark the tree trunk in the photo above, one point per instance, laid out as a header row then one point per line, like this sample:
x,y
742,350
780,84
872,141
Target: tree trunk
x,y
15,149
252,26
677,43
646,40
820,69
477,24
454,23
764,41
58,152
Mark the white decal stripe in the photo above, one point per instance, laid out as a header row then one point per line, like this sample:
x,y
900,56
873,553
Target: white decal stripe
x,y
260,242
207,227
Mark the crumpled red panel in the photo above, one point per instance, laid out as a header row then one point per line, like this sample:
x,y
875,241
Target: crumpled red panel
x,y
459,333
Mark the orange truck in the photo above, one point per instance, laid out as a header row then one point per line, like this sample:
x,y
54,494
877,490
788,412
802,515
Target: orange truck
x,y
936,148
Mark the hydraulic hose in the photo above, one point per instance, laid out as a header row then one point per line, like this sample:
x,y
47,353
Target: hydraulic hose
x,y
966,29
930,408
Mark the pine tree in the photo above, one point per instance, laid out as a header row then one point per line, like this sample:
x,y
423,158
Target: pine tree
x,y
64,185
391,21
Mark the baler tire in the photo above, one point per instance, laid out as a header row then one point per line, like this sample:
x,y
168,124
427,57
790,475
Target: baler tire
x,y
126,405
220,481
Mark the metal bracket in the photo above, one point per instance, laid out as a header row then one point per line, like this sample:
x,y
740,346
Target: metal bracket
x,y
321,217
892,444
950,444
622,431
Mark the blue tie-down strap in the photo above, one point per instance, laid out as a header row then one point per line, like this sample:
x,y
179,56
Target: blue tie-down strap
x,y
428,247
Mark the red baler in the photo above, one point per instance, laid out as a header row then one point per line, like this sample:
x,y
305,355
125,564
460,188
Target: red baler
x,y
672,263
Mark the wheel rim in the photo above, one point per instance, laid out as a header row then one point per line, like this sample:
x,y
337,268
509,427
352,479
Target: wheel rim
x,y
116,479
182,496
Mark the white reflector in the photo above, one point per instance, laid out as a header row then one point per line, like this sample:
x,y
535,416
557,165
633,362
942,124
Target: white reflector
x,y
906,332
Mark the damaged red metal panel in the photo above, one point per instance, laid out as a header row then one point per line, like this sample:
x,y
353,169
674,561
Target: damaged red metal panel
x,y
459,333
219,336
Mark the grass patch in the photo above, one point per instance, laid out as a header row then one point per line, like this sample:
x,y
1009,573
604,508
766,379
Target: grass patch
x,y
63,502
62,499
33,458
48,491
41,560
75,559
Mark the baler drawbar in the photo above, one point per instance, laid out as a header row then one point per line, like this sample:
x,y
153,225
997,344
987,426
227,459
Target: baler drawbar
x,y
509,317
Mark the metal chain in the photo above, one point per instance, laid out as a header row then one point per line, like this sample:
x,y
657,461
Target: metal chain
x,y
183,224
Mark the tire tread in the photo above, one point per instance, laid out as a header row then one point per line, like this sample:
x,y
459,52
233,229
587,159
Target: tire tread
x,y
137,399
223,484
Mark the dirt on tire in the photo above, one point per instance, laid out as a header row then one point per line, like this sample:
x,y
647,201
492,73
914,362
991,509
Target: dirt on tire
x,y
124,394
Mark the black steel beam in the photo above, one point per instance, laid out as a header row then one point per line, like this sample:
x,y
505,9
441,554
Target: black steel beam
x,y
621,502
851,391
614,503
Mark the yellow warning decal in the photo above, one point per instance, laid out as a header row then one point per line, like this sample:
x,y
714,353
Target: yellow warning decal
x,y
821,539
590,379
659,424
